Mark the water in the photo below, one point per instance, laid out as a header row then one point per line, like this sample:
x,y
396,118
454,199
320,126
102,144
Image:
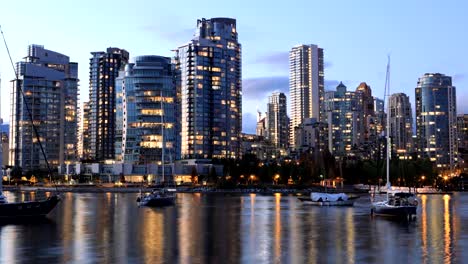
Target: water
x,y
213,228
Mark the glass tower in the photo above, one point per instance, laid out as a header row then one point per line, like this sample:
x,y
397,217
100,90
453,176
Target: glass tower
x,y
278,121
436,121
50,85
401,124
306,85
104,69
344,114
146,111
210,88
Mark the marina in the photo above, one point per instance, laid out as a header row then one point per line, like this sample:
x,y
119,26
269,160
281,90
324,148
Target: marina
x,y
245,228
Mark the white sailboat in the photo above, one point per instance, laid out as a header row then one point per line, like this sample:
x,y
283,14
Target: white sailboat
x,y
397,203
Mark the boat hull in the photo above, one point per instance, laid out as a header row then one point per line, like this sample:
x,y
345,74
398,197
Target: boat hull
x,y
349,202
32,209
394,211
158,202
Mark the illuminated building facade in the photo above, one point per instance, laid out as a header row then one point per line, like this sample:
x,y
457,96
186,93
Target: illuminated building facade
x,y
401,125
306,85
83,133
436,121
146,111
50,85
278,121
104,68
344,115
209,82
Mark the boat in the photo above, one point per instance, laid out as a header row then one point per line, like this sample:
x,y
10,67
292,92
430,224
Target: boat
x,y
398,203
158,197
26,210
329,199
431,190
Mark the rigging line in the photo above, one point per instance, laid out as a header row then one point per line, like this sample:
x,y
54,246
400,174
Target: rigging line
x,y
27,109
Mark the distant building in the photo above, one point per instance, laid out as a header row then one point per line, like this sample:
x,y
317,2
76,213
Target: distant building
x,y
209,80
146,112
104,67
380,116
258,146
84,144
310,137
262,125
344,115
401,125
436,121
50,85
462,128
278,121
306,86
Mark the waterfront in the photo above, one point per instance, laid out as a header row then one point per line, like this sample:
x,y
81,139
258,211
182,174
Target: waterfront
x,y
229,228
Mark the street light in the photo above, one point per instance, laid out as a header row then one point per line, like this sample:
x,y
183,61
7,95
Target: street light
x,y
277,176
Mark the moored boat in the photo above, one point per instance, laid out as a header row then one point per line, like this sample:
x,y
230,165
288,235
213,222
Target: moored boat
x,y
29,209
329,199
158,197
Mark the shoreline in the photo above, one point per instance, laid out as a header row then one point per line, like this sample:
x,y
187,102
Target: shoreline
x,y
184,189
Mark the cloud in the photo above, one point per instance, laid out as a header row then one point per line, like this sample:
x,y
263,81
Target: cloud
x,y
330,85
249,123
459,77
258,88
177,36
276,59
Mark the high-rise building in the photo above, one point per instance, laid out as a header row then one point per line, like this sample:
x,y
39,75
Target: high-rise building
x,y
368,130
83,133
104,69
209,81
278,121
262,125
379,110
436,121
146,112
462,129
49,82
306,85
344,114
401,125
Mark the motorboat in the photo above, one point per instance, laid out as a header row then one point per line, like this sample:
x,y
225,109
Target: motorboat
x,y
158,197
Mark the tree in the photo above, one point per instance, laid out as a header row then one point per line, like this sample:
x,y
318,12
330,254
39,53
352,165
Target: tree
x,y
194,175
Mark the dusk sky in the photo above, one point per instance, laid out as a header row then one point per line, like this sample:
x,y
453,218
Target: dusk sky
x,y
421,36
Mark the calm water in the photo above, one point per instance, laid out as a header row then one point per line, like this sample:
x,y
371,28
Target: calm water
x,y
202,228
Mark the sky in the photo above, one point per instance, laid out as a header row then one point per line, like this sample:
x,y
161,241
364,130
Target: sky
x,y
421,36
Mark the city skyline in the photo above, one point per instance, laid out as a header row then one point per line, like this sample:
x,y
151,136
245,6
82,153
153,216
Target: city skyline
x,y
366,37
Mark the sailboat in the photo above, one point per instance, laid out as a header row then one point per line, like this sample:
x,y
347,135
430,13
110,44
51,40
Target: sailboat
x,y
27,209
398,204
159,196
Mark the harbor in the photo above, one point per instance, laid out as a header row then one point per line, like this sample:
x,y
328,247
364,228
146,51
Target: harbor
x,y
205,227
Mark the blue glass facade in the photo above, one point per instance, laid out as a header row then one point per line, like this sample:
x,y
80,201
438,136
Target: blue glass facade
x,y
436,125
146,111
210,90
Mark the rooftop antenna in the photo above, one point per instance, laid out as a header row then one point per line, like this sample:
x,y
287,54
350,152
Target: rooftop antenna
x,y
27,107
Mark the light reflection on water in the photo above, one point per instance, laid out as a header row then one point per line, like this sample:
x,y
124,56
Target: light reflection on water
x,y
110,228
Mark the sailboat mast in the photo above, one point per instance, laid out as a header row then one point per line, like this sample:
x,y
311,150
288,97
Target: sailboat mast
x,y
162,135
389,143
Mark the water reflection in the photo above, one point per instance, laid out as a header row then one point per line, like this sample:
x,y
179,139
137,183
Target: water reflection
x,y
201,228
